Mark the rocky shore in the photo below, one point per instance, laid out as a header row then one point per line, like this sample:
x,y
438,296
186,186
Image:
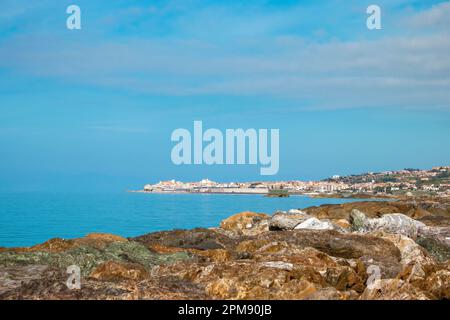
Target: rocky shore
x,y
361,250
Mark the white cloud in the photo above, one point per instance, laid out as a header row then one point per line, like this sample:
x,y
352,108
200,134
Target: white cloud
x,y
437,16
393,70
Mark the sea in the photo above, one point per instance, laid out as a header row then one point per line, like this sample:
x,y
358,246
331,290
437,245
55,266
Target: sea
x,y
30,218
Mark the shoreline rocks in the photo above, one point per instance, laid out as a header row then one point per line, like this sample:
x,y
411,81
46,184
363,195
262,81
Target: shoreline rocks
x,y
371,250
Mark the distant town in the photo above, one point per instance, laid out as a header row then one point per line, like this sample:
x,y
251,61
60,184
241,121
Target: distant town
x,y
408,182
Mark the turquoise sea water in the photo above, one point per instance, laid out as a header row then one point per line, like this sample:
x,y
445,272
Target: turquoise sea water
x,y
30,218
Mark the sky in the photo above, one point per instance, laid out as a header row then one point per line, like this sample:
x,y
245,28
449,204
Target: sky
x,y
94,109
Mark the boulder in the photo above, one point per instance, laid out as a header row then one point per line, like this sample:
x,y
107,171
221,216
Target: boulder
x,y
296,211
412,255
393,223
287,220
278,265
315,224
246,223
436,240
342,223
198,238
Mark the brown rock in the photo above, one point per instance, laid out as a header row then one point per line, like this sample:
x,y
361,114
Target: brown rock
x,y
199,238
53,245
333,294
369,249
246,223
433,280
115,271
343,223
105,237
286,220
344,278
417,213
392,289
411,254
217,255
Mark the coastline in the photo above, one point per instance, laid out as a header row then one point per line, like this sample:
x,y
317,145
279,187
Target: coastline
x,y
359,196
320,252
127,214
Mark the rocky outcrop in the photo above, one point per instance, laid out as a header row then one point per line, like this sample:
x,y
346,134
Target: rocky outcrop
x,y
116,271
282,220
436,240
315,224
422,211
246,223
87,257
394,223
338,252
199,238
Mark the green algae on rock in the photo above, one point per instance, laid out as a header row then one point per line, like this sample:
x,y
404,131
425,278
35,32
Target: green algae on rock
x,y
87,257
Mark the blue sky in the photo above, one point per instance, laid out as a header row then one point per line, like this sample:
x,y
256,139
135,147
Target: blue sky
x,y
94,108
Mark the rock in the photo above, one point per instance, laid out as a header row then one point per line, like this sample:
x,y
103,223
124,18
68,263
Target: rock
x,y
370,249
296,212
344,278
410,251
315,224
412,255
433,280
105,237
216,255
53,245
392,223
376,209
286,221
417,213
199,238
12,278
436,240
438,284
436,221
278,265
117,271
87,257
246,223
392,289
244,260
373,209
342,223
48,283
247,281
333,294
